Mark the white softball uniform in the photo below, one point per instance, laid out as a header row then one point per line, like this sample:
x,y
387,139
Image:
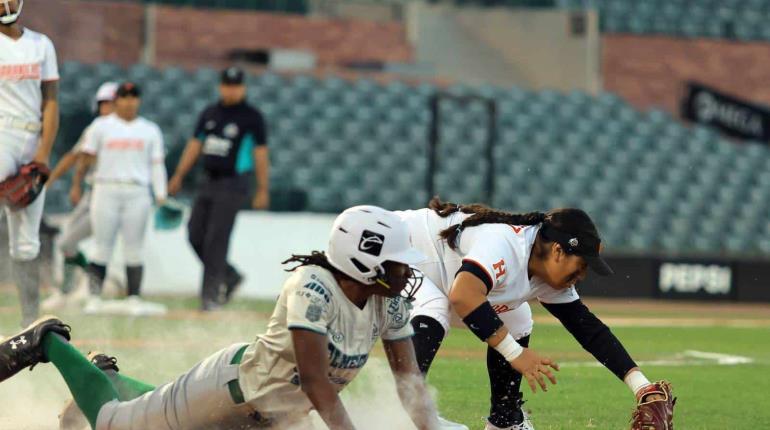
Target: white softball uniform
x,y
502,252
312,300
24,64
129,158
267,375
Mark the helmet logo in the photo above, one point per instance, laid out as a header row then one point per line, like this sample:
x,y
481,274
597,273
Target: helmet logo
x,y
371,243
573,242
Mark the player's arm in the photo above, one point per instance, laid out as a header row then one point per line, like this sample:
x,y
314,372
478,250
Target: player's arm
x,y
468,297
261,163
189,156
262,170
312,355
596,338
410,383
50,111
63,166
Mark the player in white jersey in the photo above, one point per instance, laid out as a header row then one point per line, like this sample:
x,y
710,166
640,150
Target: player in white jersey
x,y
128,154
29,121
78,224
331,312
486,264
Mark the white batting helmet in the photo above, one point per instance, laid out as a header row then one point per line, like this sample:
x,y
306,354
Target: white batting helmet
x,y
364,237
9,18
105,93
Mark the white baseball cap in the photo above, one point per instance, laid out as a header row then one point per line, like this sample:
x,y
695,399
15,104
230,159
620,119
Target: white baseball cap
x,y
105,93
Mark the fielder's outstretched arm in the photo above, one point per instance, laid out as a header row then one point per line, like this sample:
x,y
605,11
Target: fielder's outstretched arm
x,y
50,111
410,383
596,338
312,355
469,299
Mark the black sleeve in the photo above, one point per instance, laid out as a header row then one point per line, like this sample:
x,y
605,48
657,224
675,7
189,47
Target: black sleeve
x,y
593,335
259,129
477,271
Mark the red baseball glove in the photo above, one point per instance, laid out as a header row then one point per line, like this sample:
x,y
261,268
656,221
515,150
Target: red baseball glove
x,y
654,414
21,189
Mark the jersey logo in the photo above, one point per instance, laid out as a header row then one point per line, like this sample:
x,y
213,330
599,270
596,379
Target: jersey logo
x,y
210,124
231,130
216,146
371,243
20,72
517,229
499,309
125,145
499,269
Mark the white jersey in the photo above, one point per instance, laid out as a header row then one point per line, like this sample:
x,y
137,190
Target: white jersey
x,y
312,300
125,150
24,64
502,251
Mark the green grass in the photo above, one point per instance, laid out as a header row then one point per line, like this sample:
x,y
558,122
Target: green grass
x,y
710,396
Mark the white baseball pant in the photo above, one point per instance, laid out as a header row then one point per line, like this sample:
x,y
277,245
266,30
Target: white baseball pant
x,y
77,228
119,208
17,148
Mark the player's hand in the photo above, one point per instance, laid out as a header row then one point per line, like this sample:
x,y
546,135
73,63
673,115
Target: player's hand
x,y
261,200
174,185
76,193
535,368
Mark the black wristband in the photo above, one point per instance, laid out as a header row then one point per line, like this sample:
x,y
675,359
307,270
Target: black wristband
x,y
483,321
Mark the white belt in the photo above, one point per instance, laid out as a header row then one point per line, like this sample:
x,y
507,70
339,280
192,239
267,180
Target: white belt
x,y
123,182
20,124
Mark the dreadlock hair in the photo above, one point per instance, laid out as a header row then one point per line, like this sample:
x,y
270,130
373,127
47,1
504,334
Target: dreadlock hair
x,y
316,258
481,214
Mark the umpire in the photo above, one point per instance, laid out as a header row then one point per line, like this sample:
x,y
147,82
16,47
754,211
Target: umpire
x,y
231,136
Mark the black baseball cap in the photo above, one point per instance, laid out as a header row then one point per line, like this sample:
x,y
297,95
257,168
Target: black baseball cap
x,y
128,89
232,76
577,235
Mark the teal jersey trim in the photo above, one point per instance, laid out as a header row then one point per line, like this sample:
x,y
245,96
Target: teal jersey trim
x,y
245,161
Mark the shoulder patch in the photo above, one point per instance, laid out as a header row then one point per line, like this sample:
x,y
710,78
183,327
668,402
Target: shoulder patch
x,y
320,289
398,311
314,312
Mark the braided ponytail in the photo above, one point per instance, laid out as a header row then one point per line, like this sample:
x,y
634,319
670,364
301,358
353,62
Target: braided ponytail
x,y
481,214
316,258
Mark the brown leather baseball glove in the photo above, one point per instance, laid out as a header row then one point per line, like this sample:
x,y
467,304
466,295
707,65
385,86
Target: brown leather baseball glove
x,y
21,189
657,414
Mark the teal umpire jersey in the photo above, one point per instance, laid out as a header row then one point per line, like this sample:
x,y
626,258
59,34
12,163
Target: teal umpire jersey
x,y
229,135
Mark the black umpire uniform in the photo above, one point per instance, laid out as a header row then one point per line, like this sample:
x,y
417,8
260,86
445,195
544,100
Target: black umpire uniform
x,y
229,134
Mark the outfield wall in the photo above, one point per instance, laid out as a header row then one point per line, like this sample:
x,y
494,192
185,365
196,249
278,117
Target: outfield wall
x,y
262,240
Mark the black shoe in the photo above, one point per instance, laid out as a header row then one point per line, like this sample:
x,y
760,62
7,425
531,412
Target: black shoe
x,y
208,305
233,281
24,349
103,361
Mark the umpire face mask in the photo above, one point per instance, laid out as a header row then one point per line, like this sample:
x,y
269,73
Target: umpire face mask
x,y
10,11
400,279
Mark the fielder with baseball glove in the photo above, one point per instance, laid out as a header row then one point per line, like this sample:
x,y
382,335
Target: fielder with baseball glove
x,y
21,189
